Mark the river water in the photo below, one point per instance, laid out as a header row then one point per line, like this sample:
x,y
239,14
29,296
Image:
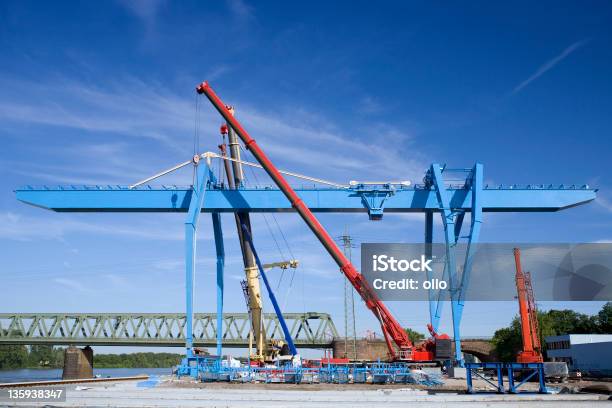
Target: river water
x,y
48,374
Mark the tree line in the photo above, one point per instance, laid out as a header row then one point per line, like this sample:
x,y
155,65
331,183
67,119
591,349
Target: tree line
x,y
42,356
508,341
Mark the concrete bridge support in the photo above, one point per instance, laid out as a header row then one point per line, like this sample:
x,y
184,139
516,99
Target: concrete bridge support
x,y
78,363
482,349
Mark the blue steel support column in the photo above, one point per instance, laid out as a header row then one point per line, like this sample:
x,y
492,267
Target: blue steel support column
x,y
434,319
476,184
458,224
448,219
219,248
439,302
191,223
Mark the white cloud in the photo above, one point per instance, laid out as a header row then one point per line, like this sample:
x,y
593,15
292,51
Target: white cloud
x,y
549,65
240,9
604,203
71,284
145,10
18,227
142,113
130,107
119,282
136,111
370,105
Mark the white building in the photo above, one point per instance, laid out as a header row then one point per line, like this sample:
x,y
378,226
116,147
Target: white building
x,y
589,353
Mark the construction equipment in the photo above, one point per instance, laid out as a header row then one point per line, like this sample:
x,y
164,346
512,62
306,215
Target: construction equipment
x,y
265,351
532,348
250,285
293,263
393,332
279,315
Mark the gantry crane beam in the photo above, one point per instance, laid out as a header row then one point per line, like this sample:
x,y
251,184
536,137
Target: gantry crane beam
x,y
148,198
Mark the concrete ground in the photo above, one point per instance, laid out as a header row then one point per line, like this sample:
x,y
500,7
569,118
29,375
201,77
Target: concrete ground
x,y
173,393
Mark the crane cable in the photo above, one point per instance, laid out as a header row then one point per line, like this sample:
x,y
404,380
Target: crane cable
x,y
196,135
280,251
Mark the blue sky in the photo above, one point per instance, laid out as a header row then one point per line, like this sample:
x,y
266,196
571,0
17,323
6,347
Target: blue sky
x,y
104,93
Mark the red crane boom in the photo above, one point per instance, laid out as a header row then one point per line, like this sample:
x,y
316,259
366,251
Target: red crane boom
x,y
532,349
391,328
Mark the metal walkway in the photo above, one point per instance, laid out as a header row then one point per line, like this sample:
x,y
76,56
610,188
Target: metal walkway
x,y
309,330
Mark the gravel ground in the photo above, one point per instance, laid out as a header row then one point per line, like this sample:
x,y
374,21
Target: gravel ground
x,y
185,393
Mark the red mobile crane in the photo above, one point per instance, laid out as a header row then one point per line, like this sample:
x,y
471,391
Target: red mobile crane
x,y
532,349
392,330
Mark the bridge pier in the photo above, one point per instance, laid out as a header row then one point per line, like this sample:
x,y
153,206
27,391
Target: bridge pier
x,y
78,363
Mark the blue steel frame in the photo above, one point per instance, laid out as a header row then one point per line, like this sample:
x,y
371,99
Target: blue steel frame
x,y
472,369
529,369
220,250
415,199
452,219
204,176
452,201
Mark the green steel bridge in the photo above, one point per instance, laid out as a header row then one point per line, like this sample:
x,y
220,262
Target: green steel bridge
x,y
309,330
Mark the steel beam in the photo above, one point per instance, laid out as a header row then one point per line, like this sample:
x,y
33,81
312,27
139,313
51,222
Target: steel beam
x,y
191,226
404,200
475,183
220,250
449,218
453,221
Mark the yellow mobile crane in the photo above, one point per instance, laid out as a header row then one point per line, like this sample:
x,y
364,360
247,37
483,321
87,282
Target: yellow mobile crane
x,y
264,350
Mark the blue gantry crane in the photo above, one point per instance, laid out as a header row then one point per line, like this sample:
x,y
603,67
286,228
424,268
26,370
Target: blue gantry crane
x,y
435,195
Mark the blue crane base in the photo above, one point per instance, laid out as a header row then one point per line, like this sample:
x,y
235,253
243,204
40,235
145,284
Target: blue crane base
x,y
213,369
528,371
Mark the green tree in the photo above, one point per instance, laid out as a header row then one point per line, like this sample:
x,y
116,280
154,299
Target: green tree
x,y
604,319
137,360
41,356
414,335
13,356
507,341
570,322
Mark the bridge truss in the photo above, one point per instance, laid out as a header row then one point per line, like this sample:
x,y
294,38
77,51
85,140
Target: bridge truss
x,y
309,330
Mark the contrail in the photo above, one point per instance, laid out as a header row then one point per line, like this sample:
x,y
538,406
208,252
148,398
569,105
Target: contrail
x,y
549,65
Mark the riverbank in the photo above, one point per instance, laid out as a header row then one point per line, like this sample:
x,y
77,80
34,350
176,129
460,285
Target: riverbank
x,y
49,374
